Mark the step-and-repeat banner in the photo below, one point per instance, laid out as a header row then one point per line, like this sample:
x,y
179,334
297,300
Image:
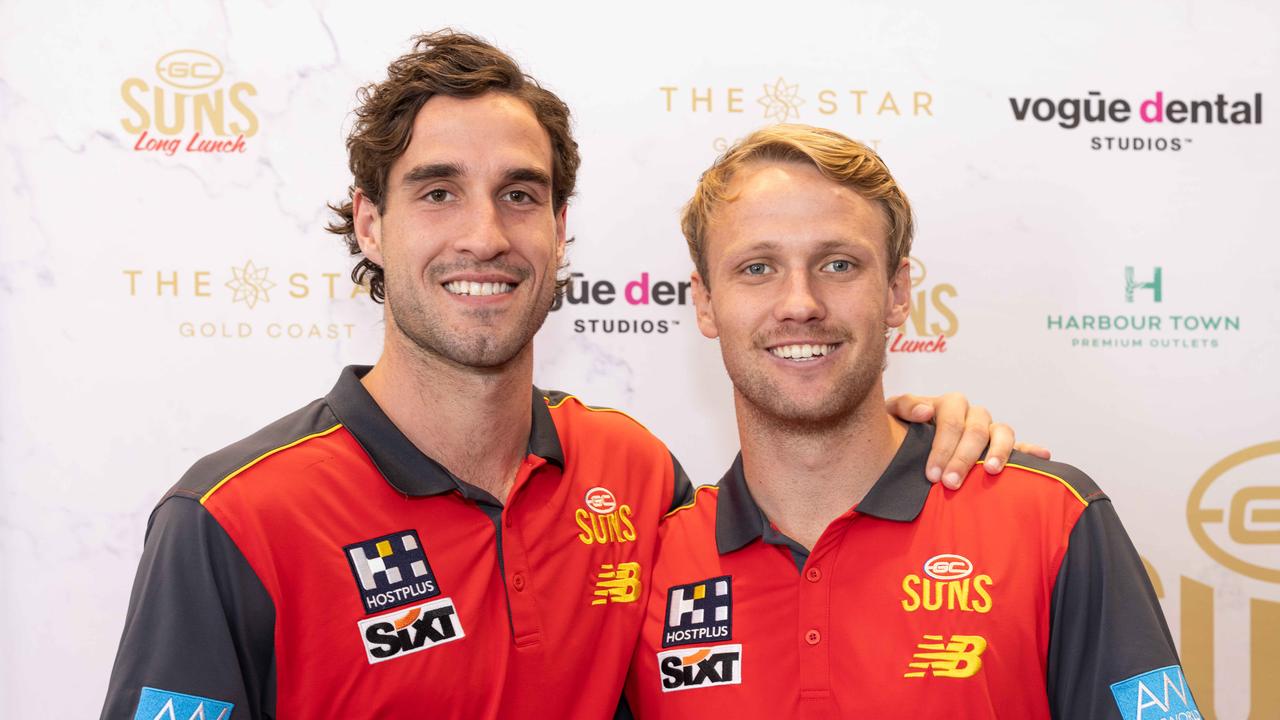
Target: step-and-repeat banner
x,y
1096,260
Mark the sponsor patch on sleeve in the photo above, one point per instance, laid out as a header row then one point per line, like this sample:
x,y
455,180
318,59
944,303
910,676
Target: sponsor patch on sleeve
x,y
699,613
391,571
168,705
1161,693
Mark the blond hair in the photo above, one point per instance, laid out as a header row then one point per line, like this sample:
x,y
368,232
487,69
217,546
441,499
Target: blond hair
x,y
845,161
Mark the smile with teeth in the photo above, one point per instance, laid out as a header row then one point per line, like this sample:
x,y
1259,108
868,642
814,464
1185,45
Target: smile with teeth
x,y
801,352
466,287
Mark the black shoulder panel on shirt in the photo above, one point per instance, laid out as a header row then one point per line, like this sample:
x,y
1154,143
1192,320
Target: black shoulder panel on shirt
x,y
683,489
209,470
200,622
1072,476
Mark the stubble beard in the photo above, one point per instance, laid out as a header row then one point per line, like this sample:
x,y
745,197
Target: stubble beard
x,y
766,398
488,341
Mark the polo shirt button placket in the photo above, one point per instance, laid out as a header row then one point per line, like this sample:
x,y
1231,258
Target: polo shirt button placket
x,y
813,637
813,574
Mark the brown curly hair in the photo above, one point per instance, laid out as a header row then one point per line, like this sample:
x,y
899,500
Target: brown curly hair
x,y
448,63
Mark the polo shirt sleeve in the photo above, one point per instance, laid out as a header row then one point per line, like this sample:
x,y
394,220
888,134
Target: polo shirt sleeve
x,y
1106,625
199,627
682,490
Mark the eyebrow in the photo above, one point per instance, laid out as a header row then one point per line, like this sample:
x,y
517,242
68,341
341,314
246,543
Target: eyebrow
x,y
441,171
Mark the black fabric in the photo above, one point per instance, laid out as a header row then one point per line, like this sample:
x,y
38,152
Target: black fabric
x,y
682,491
899,494
1105,622
200,621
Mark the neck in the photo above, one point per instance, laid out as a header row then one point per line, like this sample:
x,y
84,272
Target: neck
x,y
473,421
803,476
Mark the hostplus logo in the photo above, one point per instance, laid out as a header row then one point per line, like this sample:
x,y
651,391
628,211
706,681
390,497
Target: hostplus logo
x,y
187,108
1135,323
643,293
699,612
1157,111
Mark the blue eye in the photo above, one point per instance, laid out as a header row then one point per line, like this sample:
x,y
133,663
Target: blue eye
x,y
840,266
756,269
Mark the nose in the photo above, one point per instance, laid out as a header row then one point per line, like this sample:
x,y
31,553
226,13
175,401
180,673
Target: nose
x,y
799,302
484,235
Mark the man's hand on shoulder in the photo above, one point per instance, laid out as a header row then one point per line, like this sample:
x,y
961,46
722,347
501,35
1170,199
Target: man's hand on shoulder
x,y
963,432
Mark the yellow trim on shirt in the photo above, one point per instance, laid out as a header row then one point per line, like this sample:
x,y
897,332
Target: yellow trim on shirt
x,y
264,456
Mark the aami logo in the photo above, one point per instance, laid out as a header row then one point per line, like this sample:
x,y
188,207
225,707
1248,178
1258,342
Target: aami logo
x,y
948,583
1158,695
601,501
691,668
604,520
391,571
387,637
960,656
699,612
156,704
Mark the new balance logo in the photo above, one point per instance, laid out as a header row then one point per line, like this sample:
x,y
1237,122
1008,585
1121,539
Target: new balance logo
x,y
417,628
958,657
391,571
699,612
620,583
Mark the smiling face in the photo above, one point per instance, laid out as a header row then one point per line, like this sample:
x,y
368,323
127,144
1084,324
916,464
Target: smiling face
x,y
798,292
468,239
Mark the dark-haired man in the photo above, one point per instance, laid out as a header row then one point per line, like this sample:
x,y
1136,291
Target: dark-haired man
x,y
435,536
824,577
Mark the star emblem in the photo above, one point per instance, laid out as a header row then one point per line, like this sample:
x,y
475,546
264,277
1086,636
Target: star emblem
x,y
780,101
250,284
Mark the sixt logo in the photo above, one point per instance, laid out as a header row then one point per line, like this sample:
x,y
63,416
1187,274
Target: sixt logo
x,y
948,582
958,657
417,628
691,668
1161,694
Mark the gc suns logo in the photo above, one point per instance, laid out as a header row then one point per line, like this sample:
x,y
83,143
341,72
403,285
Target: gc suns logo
x,y
690,668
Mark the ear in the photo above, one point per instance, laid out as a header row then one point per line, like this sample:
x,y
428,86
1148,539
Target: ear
x,y
899,295
562,222
706,314
368,226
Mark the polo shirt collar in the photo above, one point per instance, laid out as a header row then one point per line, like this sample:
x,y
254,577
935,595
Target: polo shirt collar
x,y
899,494
406,467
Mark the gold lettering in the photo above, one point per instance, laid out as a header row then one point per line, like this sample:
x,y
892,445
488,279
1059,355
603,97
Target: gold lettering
x,y
912,603
580,516
332,277
828,100
299,283
250,117
953,324
980,585
179,113
1197,642
858,94
613,525
629,530
133,281
669,92
161,282
202,284
958,595
735,100
126,92
705,98
932,600
209,106
922,101
601,531
888,102
1264,632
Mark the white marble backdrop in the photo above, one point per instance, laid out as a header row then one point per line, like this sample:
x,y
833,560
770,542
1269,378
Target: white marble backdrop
x,y
155,306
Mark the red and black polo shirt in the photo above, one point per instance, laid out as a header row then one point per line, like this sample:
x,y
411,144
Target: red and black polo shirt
x,y
325,568
1017,596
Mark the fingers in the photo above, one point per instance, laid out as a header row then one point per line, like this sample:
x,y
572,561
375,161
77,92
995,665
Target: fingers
x,y
949,418
999,448
977,433
911,408
1032,449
